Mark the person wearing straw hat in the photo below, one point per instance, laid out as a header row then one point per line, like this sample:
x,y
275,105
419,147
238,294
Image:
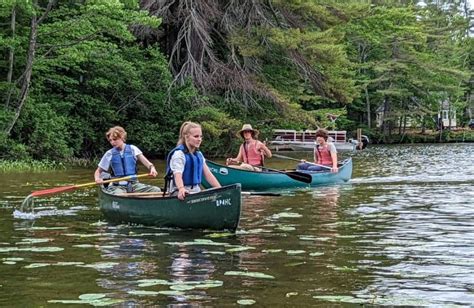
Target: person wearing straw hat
x,y
252,152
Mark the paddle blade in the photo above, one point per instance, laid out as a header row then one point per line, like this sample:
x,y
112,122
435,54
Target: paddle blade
x,y
300,176
51,191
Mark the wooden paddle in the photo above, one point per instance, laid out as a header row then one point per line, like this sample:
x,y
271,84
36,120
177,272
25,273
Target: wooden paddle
x,y
61,189
291,158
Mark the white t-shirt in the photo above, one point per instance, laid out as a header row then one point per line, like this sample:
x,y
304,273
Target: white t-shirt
x,y
104,163
177,163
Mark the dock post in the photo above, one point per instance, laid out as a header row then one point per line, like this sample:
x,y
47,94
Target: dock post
x,y
359,139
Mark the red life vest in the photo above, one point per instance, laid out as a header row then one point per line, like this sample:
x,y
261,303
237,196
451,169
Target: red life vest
x,y
251,155
323,155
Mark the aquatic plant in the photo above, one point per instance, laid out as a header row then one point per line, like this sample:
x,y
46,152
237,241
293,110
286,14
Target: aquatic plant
x,y
30,165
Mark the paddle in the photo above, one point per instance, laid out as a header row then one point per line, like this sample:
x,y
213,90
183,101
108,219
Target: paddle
x,y
295,175
60,189
160,194
291,158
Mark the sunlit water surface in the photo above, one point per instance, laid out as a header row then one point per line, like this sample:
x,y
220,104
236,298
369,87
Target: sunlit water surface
x,y
401,232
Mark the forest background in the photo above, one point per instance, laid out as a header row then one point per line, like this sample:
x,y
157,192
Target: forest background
x,y
69,70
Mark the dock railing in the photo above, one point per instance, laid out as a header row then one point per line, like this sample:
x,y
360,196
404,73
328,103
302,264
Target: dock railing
x,y
291,135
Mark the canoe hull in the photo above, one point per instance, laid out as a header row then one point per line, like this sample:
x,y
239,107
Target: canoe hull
x,y
251,180
213,209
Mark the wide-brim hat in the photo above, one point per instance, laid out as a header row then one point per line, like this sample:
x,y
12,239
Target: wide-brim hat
x,y
248,127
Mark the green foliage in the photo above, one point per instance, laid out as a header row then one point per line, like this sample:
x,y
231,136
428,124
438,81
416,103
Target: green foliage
x,y
399,66
47,134
320,57
219,130
10,149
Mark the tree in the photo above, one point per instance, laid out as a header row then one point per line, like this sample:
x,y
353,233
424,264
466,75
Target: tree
x,y
223,47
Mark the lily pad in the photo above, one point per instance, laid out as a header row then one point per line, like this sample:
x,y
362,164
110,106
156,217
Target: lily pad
x,y
152,282
307,238
294,264
68,263
13,259
295,252
203,242
99,223
101,265
43,228
105,302
271,250
43,249
286,228
109,246
210,252
91,296
240,248
28,241
34,249
252,231
36,265
246,302
171,292
80,235
340,298
66,301
181,287
344,268
148,234
143,292
220,234
207,284
286,215
249,274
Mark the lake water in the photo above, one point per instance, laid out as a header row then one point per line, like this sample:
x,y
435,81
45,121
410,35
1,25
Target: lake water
x,y
401,232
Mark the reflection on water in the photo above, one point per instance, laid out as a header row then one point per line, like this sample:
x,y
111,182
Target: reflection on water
x,y
400,233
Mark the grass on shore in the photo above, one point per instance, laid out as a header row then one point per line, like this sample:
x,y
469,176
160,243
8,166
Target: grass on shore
x,y
42,165
29,165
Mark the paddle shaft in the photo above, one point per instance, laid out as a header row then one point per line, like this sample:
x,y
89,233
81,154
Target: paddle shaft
x,y
160,194
125,178
59,189
291,158
295,175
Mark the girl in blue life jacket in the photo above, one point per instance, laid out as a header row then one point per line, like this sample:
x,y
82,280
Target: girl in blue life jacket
x,y
185,164
122,160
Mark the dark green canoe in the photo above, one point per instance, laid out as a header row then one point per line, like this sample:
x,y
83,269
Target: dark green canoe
x,y
277,179
214,209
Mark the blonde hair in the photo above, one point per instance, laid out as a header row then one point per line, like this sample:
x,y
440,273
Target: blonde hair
x,y
184,130
116,132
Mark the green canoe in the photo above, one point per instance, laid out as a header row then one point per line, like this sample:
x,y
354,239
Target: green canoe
x,y
214,209
277,179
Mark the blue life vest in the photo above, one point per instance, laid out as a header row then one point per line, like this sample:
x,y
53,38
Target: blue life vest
x,y
123,166
192,174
